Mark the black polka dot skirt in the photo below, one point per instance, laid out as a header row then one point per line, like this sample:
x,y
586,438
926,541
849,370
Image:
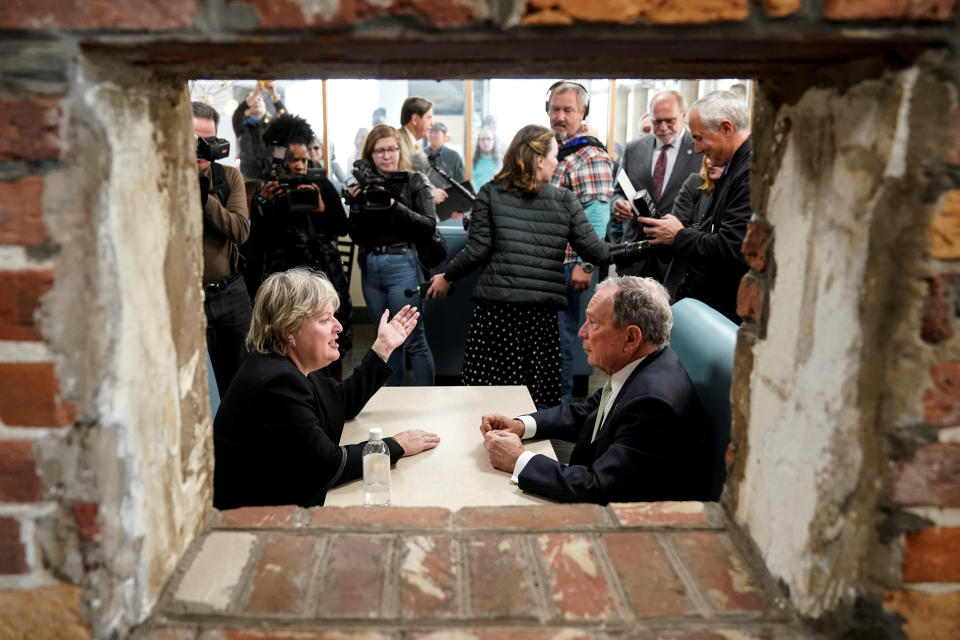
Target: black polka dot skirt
x,y
513,343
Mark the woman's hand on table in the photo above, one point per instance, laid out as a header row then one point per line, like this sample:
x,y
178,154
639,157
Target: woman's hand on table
x,y
416,441
392,333
500,422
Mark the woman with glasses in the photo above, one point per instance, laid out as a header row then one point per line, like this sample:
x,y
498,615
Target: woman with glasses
x,y
391,208
519,230
486,158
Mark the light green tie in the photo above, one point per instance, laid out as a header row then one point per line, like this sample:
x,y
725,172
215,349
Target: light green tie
x,y
604,397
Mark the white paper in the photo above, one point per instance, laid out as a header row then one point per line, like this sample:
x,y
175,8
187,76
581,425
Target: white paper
x,y
628,190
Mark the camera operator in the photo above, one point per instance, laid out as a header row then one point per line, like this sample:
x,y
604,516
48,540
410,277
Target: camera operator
x,y
391,208
297,218
226,226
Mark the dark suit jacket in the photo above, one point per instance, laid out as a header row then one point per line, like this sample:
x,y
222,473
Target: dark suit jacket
x,y
652,446
277,433
638,163
712,248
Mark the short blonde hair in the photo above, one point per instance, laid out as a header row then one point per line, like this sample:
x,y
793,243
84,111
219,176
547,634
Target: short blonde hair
x,y
283,302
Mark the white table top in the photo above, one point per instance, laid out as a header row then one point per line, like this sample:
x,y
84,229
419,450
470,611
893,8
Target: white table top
x,y
457,472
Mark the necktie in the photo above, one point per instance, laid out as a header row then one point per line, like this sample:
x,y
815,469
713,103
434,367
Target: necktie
x,y
659,171
604,397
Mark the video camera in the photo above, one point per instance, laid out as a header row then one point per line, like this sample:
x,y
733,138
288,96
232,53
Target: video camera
x,y
626,253
212,148
376,189
292,198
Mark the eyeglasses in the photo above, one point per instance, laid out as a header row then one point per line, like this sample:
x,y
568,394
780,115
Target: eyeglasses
x,y
386,151
316,147
667,121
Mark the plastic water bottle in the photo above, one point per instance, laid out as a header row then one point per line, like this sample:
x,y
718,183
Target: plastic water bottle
x,y
376,470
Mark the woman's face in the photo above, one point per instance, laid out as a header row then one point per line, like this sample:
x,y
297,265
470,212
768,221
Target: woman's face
x,y
714,172
386,154
546,164
486,142
315,343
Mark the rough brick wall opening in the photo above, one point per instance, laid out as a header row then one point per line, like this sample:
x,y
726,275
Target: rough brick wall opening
x,y
845,468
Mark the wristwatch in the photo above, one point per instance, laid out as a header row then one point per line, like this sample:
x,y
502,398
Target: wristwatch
x,y
587,267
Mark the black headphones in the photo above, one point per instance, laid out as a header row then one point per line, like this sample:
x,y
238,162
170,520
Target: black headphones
x,y
546,104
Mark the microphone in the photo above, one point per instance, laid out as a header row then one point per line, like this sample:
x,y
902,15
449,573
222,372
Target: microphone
x,y
422,290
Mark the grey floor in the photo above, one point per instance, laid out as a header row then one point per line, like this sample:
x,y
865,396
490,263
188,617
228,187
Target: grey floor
x,y
365,333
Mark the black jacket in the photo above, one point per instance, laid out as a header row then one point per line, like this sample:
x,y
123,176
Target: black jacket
x,y
521,240
712,248
277,433
412,218
652,446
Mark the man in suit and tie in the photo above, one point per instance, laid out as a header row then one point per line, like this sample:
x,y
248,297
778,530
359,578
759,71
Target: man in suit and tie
x,y
658,163
642,437
709,251
416,119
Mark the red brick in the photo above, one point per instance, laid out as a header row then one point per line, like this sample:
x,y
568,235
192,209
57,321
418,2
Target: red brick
x,y
600,10
29,129
939,315
719,571
19,481
283,575
932,555
660,514
931,478
380,517
941,402
80,14
21,218
258,517
943,234
645,572
355,572
888,9
166,633
50,612
30,396
428,578
781,8
715,633
289,14
546,17
233,634
693,11
563,516
473,633
756,243
85,516
13,557
929,615
577,584
20,293
750,297
498,583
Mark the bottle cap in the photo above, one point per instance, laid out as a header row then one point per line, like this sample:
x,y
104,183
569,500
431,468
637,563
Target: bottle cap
x,y
376,433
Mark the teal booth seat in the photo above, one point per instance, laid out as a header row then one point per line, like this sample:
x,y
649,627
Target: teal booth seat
x,y
706,340
212,388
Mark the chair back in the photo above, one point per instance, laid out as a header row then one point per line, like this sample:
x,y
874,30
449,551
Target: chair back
x,y
706,340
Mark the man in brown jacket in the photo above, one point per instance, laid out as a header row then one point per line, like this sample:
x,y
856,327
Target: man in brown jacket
x,y
226,226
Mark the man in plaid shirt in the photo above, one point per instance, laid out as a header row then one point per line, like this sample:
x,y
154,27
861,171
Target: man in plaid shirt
x,y
585,168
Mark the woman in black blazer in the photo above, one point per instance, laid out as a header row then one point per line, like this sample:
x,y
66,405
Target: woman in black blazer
x,y
277,432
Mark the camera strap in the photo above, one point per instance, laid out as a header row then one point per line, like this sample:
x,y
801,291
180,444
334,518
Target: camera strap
x,y
220,185
575,144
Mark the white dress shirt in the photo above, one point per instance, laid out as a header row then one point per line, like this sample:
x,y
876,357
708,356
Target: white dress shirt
x,y
617,380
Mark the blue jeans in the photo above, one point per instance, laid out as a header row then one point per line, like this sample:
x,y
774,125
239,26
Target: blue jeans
x,y
385,277
569,324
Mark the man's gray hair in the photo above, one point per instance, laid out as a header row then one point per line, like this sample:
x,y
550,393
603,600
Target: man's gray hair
x,y
642,302
681,101
722,105
571,86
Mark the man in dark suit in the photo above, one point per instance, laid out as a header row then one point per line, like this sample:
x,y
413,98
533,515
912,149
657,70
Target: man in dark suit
x,y
658,163
708,253
642,437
